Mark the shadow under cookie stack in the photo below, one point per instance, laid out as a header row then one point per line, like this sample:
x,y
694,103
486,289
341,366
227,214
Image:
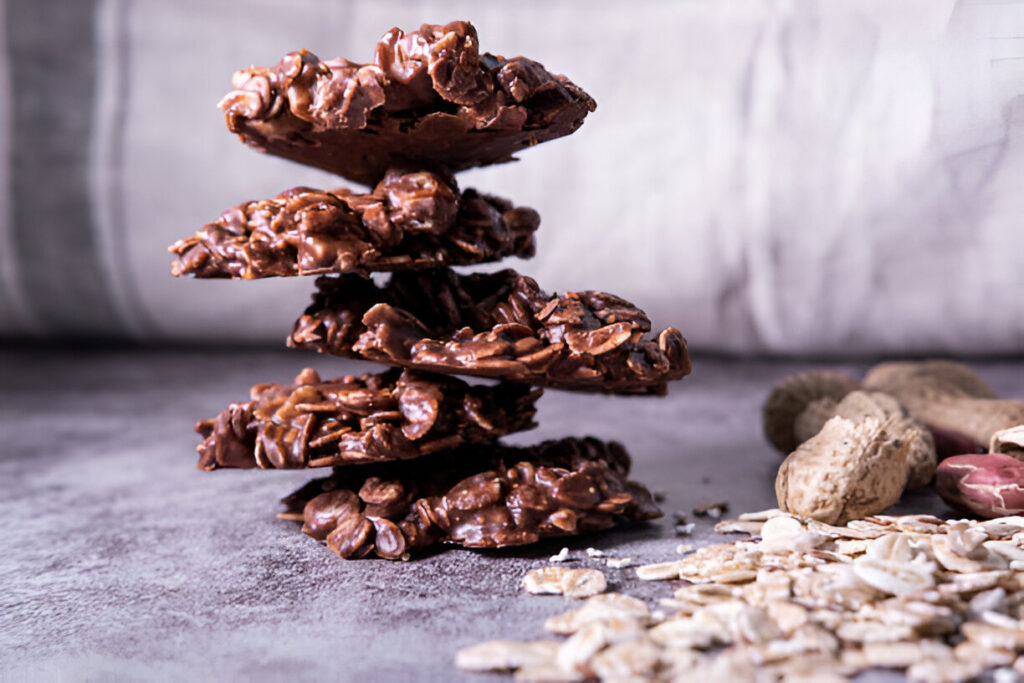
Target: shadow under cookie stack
x,y
415,452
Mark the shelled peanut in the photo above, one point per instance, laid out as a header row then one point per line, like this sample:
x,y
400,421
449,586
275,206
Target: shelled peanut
x,y
986,484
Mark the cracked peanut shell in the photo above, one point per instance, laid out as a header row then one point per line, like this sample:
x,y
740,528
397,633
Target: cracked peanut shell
x,y
792,396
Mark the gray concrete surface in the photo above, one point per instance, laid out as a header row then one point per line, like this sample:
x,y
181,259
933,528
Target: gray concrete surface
x,y
119,560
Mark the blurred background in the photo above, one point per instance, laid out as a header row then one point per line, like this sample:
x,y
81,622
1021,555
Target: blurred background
x,y
834,177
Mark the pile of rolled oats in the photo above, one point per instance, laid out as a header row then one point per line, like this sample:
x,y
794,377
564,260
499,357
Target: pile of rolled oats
x,y
941,600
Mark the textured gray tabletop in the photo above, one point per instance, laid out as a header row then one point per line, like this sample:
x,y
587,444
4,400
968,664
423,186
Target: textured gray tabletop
x,y
119,560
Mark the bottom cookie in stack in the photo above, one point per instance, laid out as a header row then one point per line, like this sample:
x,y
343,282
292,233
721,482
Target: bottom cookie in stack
x,y
483,495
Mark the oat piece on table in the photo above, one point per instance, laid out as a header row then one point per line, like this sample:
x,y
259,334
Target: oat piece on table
x,y
429,99
571,582
394,415
499,325
478,496
411,220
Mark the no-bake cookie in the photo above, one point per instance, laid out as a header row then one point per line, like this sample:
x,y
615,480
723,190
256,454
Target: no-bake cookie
x,y
415,452
394,415
499,325
478,496
429,99
411,220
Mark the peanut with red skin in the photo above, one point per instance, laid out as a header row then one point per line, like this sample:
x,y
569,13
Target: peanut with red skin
x,y
985,484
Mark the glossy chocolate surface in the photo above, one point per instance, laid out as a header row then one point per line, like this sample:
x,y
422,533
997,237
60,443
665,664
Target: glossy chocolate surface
x,y
411,220
394,415
478,496
429,99
499,325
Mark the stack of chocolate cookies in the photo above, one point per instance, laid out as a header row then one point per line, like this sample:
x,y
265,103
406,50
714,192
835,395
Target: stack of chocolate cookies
x,y
414,450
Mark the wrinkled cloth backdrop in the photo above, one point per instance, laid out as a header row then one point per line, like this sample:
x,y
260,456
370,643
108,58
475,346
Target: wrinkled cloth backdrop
x,y
767,176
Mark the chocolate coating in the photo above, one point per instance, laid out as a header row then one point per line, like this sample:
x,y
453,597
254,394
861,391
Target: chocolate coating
x,y
428,99
394,415
411,220
477,496
498,325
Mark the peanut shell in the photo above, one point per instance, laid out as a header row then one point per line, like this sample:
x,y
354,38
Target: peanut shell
x,y
1009,441
848,470
857,405
791,396
948,396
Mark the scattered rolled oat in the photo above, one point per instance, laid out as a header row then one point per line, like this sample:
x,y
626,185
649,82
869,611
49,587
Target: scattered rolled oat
x,y
594,552
619,562
760,515
504,655
562,556
939,600
658,572
739,526
575,583
601,607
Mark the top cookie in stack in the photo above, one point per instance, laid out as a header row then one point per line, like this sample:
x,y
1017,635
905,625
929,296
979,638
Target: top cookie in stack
x,y
416,453
428,100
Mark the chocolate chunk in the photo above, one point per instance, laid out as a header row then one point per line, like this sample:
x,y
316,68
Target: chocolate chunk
x,y
411,220
394,415
498,325
429,99
477,496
